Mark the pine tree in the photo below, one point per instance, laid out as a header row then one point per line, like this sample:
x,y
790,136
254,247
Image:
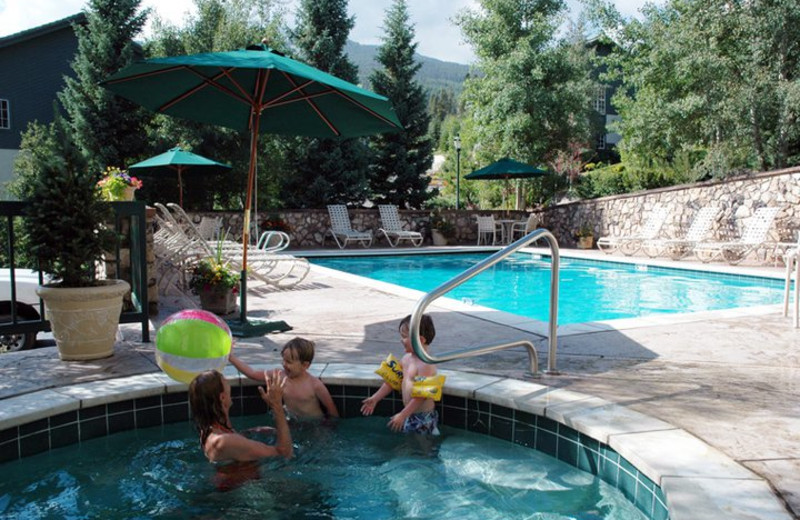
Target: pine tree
x,y
108,129
397,173
326,170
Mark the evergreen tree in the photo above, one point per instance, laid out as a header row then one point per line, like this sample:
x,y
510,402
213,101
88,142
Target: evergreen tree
x,y
326,170
400,159
107,128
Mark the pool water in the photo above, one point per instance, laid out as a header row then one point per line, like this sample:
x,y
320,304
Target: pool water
x,y
588,290
355,470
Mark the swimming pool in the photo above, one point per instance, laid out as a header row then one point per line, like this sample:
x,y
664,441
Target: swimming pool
x,y
589,290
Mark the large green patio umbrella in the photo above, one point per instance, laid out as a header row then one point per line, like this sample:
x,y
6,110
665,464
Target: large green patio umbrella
x,y
178,160
506,169
257,90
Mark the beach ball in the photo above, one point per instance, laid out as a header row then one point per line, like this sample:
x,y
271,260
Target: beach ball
x,y
192,341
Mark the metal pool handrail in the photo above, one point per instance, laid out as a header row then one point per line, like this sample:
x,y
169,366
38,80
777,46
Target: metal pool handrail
x,y
473,271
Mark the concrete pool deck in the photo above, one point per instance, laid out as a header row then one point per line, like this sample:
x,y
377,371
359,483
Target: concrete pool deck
x,y
729,379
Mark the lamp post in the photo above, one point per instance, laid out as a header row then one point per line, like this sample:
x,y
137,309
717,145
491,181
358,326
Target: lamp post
x,y
457,143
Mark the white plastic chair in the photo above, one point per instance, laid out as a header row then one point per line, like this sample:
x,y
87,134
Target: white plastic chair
x,y
754,237
393,229
342,231
522,228
487,226
792,260
630,245
677,248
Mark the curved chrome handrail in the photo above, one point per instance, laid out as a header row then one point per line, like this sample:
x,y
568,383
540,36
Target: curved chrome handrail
x,y
473,271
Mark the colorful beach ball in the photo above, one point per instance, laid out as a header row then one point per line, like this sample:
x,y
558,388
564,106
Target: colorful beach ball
x,y
192,341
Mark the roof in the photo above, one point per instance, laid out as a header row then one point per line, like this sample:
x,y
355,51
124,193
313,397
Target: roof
x,y
41,30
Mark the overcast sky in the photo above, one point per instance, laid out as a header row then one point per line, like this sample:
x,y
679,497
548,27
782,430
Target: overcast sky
x,y
436,34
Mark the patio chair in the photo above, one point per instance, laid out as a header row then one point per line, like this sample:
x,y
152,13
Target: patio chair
x,y
524,227
342,231
630,245
487,226
754,237
677,248
393,230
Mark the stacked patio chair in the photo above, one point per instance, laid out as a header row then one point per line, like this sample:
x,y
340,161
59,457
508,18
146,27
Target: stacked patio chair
x,y
281,271
342,231
630,245
488,227
677,248
754,239
393,230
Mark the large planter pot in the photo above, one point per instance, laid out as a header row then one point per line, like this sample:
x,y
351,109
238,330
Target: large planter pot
x,y
438,238
585,242
84,320
219,302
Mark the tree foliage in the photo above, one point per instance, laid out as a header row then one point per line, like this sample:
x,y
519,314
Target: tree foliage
x,y
401,159
106,128
710,76
326,170
533,96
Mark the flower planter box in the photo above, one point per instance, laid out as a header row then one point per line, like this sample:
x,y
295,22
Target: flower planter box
x,y
585,242
218,302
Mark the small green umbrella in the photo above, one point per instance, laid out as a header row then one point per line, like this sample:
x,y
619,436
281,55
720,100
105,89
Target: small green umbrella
x,y
257,90
505,169
178,160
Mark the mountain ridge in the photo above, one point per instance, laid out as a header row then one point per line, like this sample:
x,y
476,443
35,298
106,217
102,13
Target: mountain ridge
x,y
432,75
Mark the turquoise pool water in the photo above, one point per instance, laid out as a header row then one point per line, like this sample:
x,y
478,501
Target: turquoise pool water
x,y
589,290
357,470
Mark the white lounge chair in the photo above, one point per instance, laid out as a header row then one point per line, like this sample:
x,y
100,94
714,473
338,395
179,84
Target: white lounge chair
x,y
342,231
677,248
393,229
630,245
754,237
486,227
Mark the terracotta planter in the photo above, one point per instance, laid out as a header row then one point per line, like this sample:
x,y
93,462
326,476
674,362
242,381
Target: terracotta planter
x,y
585,242
84,319
219,302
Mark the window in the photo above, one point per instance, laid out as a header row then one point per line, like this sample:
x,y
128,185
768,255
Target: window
x,y
600,100
601,142
5,115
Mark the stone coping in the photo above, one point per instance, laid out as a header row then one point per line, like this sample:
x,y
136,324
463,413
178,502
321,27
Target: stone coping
x,y
698,480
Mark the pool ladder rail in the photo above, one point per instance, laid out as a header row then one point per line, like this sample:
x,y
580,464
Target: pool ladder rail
x,y
475,270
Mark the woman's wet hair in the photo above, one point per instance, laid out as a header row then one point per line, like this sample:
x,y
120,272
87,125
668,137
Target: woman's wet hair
x,y
204,399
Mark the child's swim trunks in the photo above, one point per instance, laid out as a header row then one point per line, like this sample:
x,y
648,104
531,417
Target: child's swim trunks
x,y
422,422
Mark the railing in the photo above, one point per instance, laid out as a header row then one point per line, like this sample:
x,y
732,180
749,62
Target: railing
x,y
130,223
473,271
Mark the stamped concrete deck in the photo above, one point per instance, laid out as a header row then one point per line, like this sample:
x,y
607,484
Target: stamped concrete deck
x,y
730,379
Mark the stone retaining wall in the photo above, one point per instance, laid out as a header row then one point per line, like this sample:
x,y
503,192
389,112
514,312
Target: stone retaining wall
x,y
737,197
617,215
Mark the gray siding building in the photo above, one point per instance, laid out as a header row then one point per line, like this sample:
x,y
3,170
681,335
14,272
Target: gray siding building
x,y
33,65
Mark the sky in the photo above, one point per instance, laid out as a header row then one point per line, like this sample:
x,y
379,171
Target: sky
x,y
436,34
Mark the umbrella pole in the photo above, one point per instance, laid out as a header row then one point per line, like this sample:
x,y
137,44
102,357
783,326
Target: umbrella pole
x,y
244,327
180,186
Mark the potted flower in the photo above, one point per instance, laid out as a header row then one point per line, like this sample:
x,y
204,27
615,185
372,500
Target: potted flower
x,y
65,224
584,237
116,184
442,230
215,283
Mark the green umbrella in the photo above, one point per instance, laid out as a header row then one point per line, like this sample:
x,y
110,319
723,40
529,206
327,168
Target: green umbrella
x,y
505,169
256,90
178,160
